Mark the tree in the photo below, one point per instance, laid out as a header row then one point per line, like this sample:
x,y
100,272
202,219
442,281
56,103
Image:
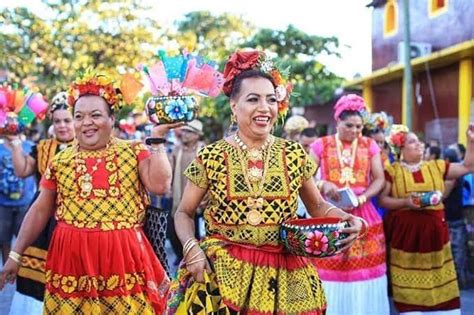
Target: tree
x,y
73,35
313,82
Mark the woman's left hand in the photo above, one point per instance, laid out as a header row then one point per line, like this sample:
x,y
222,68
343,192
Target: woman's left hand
x,y
160,131
354,229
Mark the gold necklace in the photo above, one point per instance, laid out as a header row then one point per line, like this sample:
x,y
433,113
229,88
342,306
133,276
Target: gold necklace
x,y
255,201
346,160
255,158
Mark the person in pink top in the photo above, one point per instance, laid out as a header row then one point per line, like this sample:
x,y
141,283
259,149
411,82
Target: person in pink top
x,y
355,281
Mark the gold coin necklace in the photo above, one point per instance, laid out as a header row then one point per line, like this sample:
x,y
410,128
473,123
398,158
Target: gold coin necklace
x,y
254,168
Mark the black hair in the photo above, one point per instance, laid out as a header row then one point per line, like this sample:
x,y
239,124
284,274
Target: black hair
x,y
349,113
309,132
370,132
462,149
451,155
436,151
60,106
237,85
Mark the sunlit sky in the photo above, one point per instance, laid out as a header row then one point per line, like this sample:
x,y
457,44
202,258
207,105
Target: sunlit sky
x,y
348,20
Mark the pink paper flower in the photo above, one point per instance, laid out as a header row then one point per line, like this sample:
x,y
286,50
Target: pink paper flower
x,y
316,243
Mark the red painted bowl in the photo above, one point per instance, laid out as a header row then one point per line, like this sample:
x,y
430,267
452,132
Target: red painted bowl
x,y
314,237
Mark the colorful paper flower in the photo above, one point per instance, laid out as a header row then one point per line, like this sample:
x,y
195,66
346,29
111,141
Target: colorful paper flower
x,y
316,243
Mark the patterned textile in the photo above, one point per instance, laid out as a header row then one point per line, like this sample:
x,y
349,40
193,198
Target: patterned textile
x,y
99,258
270,281
115,202
365,260
423,277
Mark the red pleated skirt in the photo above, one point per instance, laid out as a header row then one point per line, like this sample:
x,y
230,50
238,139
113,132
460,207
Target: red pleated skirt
x,y
423,277
94,271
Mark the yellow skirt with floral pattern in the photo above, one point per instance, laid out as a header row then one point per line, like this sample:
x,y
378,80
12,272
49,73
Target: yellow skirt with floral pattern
x,y
249,280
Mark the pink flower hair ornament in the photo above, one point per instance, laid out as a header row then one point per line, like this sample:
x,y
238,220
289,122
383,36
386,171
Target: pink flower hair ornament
x,y
350,102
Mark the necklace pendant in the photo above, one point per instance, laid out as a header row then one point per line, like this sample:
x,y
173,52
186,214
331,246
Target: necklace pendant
x,y
254,155
255,174
86,187
254,217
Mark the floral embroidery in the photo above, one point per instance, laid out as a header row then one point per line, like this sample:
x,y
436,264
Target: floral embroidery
x,y
130,281
68,284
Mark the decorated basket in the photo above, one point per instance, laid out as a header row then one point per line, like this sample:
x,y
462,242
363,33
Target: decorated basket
x,y
171,109
315,237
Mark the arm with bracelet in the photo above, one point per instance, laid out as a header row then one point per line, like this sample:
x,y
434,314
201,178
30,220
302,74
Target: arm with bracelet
x,y
155,171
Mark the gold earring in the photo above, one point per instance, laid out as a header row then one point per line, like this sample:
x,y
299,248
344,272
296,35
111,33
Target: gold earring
x,y
233,119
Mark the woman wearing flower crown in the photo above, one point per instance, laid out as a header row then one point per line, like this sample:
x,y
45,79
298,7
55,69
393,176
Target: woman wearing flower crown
x,y
355,282
31,275
99,260
422,273
252,180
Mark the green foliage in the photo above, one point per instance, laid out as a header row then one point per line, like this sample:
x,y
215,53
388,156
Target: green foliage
x,y
47,51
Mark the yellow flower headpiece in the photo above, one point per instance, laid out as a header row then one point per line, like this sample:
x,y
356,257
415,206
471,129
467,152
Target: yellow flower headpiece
x,y
95,83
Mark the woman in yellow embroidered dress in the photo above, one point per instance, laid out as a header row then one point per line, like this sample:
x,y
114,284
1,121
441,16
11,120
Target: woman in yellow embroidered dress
x,y
422,272
355,282
253,181
31,276
99,260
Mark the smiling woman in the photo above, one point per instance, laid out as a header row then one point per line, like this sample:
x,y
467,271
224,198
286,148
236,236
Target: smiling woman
x,y
99,259
252,181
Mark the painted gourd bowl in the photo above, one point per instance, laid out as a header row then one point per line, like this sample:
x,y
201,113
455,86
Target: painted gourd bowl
x,y
11,125
314,237
172,109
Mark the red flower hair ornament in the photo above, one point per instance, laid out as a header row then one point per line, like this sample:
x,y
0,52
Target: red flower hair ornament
x,y
241,61
397,137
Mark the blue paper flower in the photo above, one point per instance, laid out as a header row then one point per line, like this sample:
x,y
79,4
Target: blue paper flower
x,y
176,109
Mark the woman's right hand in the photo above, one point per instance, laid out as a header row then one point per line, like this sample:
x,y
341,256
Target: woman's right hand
x,y
9,272
330,190
410,204
201,265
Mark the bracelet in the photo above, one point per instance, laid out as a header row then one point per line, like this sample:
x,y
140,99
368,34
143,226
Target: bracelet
x,y
195,255
195,261
365,227
361,200
150,141
16,142
15,257
320,184
329,209
188,245
157,149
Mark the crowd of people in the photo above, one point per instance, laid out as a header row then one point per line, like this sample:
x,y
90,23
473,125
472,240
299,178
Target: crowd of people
x,y
82,248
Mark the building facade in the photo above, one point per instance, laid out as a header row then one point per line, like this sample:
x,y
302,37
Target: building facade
x,y
442,51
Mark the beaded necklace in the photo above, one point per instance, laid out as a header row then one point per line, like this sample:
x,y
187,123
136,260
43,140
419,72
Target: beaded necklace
x,y
346,158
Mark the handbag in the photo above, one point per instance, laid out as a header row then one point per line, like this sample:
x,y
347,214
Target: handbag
x,y
156,221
